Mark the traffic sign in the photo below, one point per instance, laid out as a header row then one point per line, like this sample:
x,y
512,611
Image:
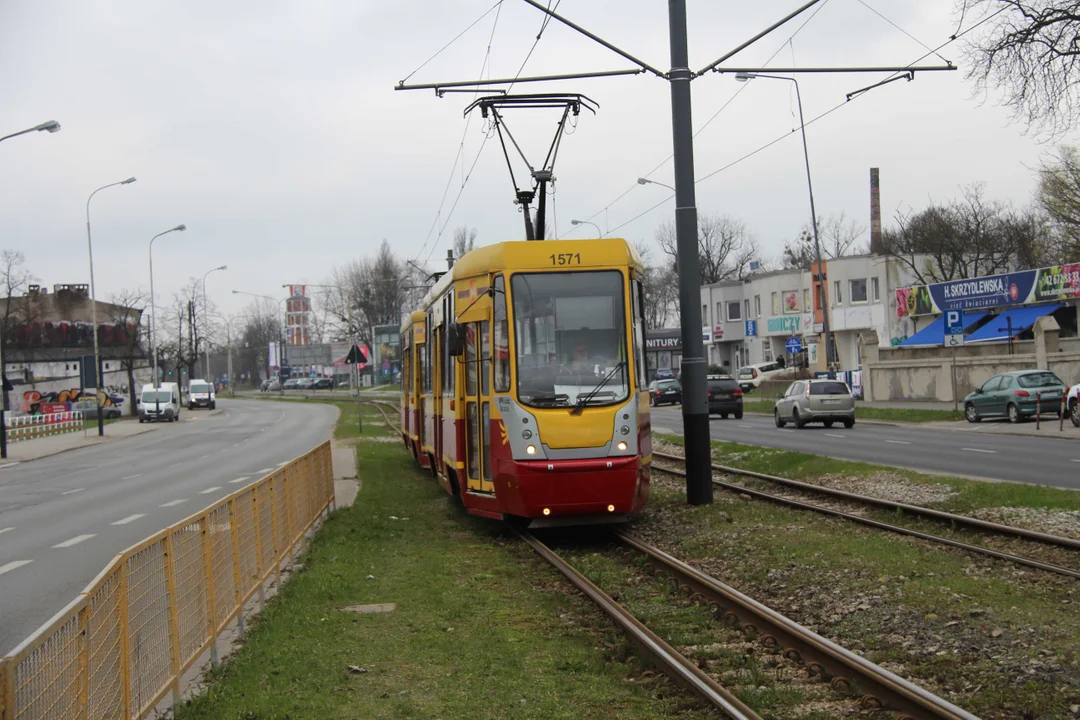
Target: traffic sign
x,y
793,345
954,328
751,328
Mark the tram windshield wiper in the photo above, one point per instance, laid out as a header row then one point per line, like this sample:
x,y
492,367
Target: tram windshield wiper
x,y
579,406
552,398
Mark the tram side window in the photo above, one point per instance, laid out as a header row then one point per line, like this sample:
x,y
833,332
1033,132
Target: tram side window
x,y
470,359
501,349
638,302
444,356
485,358
429,330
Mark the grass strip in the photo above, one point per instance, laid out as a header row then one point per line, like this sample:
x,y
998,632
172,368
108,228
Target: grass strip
x,y
481,628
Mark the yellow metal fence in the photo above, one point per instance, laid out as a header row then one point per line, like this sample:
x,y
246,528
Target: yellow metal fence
x,y
123,644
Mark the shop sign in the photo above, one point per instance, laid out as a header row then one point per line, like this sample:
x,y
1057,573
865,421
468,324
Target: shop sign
x,y
1061,282
791,325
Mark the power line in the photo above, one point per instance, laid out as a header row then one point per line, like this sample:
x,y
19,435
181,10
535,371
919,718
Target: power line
x,y
456,38
924,45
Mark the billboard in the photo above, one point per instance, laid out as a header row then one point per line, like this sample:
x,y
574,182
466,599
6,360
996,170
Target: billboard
x,y
1061,282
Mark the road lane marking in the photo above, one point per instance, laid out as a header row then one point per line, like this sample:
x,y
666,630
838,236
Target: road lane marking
x,y
7,465
282,464
1076,460
172,503
13,565
264,470
73,541
129,518
239,480
898,442
72,492
834,435
784,430
207,491
747,426
988,452
132,477
4,530
203,457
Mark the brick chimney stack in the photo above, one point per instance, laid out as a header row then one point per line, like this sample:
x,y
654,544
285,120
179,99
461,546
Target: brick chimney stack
x,y
875,213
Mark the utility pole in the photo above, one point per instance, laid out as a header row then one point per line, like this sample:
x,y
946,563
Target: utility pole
x,y
695,411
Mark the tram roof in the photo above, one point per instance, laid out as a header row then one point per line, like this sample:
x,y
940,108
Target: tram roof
x,y
536,255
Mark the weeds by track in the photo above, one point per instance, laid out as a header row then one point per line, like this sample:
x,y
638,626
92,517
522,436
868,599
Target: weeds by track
x,y
866,500
845,671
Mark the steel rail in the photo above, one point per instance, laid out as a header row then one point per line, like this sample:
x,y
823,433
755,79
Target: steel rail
x,y
899,529
673,664
378,406
893,505
802,644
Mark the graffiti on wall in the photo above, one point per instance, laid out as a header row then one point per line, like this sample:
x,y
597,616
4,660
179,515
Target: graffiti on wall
x,y
32,400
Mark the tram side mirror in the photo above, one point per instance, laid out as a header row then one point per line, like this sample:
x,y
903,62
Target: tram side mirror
x,y
455,339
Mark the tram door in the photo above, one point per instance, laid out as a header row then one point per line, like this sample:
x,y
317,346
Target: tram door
x,y
478,407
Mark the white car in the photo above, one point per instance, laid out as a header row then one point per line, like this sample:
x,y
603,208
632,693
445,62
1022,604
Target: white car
x,y
751,376
1072,402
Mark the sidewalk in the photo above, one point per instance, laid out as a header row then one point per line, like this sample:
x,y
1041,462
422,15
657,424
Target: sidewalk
x,y
26,450
908,405
1049,428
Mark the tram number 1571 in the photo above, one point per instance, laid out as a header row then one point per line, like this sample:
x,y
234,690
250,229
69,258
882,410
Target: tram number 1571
x,y
565,258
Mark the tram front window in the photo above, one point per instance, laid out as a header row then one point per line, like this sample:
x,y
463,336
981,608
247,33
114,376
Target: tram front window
x,y
570,334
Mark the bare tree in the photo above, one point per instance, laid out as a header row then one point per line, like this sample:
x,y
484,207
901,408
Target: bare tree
x,y
1059,197
838,236
16,278
464,240
725,247
262,326
661,286
969,237
125,315
1028,50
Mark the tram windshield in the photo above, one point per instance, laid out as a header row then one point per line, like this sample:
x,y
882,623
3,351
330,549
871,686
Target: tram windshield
x,y
570,334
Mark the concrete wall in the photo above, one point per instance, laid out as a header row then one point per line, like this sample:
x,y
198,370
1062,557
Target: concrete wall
x,y
928,373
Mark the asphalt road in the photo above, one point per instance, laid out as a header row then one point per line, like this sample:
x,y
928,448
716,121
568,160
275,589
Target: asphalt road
x,y
63,518
936,450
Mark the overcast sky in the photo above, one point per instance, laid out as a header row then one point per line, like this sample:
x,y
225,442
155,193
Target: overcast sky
x,y
273,131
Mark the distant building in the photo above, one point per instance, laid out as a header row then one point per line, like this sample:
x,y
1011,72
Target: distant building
x,y
298,316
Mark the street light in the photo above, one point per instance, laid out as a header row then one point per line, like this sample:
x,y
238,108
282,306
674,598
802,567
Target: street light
x,y
93,303
586,222
51,126
281,336
646,181
821,278
153,309
206,351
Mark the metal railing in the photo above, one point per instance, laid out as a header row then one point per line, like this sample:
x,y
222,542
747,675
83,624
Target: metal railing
x,y
123,644
28,427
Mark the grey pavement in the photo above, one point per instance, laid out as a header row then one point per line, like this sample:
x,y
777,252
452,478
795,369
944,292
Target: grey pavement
x,y
63,518
959,449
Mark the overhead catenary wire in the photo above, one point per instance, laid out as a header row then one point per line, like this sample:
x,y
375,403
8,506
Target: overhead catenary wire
x,y
924,45
706,124
456,38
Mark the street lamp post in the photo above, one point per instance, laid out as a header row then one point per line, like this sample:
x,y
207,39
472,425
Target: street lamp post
x,y
93,304
646,181
206,350
821,277
153,309
586,222
51,126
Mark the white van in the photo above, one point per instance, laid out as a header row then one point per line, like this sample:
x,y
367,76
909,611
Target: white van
x,y
162,403
751,376
201,394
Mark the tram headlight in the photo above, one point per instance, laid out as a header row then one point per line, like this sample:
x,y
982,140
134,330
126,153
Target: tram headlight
x,y
531,450
625,429
622,446
526,434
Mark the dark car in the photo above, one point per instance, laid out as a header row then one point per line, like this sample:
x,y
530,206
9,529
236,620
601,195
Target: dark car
x,y
725,396
1015,395
291,384
665,391
322,384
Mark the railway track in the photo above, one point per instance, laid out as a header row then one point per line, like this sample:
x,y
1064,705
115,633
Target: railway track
x,y
939,515
393,424
879,689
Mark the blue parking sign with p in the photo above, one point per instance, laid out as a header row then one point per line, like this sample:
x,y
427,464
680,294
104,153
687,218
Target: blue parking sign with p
x,y
954,328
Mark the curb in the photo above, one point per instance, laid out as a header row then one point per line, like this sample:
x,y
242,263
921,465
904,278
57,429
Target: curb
x,y
106,441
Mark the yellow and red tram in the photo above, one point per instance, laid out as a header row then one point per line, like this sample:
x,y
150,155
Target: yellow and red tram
x,y
523,381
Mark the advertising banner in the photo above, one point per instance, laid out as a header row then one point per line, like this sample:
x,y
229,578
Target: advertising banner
x,y
1061,282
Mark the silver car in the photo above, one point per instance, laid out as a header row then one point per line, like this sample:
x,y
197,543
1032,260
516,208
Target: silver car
x,y
824,401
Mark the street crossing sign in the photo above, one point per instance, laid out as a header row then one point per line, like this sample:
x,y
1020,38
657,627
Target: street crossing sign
x,y
954,328
793,345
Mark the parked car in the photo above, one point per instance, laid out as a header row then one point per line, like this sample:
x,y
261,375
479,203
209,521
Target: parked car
x,y
1015,395
291,384
751,376
665,391
824,401
201,394
1072,405
271,385
305,383
322,384
665,374
725,396
89,410
161,403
